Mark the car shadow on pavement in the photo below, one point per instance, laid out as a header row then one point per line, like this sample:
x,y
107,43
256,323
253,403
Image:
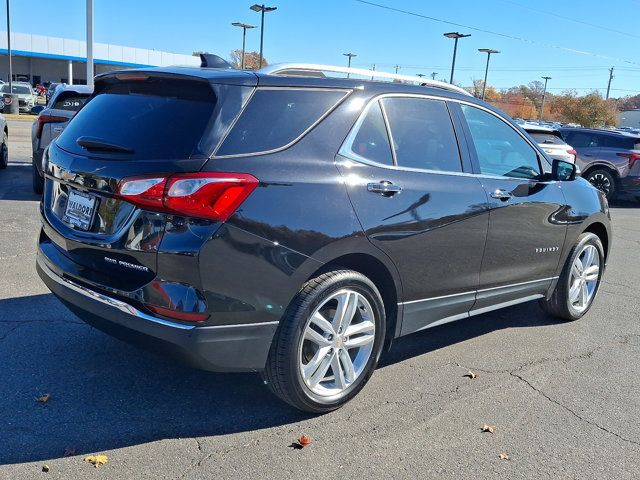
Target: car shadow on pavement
x,y
15,182
105,394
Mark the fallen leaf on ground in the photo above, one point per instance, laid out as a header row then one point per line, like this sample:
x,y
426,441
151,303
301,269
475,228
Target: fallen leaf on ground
x,y
488,428
471,375
45,468
304,440
504,456
69,452
43,398
97,460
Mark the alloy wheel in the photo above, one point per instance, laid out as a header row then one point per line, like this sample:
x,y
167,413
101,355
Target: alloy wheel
x,y
601,182
337,343
585,274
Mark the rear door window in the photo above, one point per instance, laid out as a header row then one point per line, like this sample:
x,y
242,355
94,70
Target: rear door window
x,y
582,140
276,117
155,119
422,134
371,141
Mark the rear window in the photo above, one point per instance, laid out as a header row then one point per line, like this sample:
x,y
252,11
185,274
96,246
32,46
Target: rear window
x,y
18,89
547,138
70,101
157,118
619,142
276,117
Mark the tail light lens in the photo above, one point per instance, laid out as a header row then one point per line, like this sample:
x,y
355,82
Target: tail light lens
x,y
633,157
572,152
209,195
44,119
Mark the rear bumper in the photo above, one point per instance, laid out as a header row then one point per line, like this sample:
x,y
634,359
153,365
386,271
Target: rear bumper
x,y
216,348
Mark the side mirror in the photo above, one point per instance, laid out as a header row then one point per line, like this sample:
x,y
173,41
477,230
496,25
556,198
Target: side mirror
x,y
563,171
36,109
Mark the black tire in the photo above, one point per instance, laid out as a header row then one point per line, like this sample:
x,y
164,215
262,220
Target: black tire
x,y
603,180
4,152
558,303
37,181
282,373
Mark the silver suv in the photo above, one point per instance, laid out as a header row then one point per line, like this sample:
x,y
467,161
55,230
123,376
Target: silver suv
x,y
52,120
607,159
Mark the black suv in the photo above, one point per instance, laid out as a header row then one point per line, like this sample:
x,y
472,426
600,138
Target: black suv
x,y
294,224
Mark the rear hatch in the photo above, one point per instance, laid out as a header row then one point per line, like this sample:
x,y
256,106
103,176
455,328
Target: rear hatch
x,y
136,124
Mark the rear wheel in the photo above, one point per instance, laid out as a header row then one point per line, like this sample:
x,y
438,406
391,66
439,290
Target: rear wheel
x,y
580,279
603,180
4,151
328,343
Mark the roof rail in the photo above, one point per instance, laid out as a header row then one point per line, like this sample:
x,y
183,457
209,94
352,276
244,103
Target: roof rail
x,y
315,70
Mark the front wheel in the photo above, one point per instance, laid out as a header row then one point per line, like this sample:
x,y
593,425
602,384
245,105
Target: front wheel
x,y
579,281
328,342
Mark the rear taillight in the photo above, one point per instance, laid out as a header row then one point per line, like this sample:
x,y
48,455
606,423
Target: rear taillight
x,y
572,152
44,119
210,195
632,157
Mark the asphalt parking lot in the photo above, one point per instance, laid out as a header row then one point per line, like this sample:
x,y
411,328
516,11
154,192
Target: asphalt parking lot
x,y
564,398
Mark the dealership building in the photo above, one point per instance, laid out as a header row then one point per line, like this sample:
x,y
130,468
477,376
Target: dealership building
x,y
40,59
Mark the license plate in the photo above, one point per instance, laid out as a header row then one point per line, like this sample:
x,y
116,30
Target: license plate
x,y
80,209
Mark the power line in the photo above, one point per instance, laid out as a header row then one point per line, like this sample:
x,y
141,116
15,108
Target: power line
x,y
490,32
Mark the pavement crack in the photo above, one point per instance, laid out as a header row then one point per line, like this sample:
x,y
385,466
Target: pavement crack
x,y
572,412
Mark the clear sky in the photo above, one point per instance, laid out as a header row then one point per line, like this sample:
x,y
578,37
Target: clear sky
x,y
534,38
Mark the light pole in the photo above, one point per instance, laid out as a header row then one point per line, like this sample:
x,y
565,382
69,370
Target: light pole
x,y
420,75
433,75
349,56
488,51
244,27
262,9
455,36
397,67
89,43
544,94
9,49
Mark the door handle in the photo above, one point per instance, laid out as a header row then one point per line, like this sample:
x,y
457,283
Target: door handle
x,y
501,194
384,188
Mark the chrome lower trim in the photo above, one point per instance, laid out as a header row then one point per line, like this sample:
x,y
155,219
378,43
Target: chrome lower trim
x,y
479,291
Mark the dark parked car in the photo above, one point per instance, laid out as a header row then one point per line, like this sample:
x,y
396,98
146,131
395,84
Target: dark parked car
x,y
608,159
295,225
52,120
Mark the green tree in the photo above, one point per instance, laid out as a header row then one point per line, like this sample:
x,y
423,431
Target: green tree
x,y
590,110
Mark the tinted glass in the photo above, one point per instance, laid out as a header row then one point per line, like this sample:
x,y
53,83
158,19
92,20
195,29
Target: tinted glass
x,y
620,143
581,140
371,141
422,134
70,101
156,118
500,149
547,138
276,117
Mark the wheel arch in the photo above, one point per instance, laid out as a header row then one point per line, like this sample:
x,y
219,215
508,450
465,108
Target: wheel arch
x,y
598,229
601,166
374,269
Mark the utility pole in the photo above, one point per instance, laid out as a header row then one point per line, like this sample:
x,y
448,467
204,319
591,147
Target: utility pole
x,y
89,44
373,68
433,75
544,94
609,85
349,56
397,67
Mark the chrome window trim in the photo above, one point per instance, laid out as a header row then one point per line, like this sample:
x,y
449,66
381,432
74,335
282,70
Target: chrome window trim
x,y
346,92
481,290
345,149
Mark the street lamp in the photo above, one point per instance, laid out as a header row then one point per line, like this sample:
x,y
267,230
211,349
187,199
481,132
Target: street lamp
x,y
455,36
262,9
244,27
349,56
433,75
544,94
488,51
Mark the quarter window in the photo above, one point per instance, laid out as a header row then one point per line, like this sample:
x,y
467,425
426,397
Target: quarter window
x,y
372,142
422,134
500,149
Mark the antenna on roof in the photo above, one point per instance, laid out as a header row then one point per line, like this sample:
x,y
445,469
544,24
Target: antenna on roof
x,y
209,60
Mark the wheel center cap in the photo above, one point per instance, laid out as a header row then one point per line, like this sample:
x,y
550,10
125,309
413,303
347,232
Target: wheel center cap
x,y
337,343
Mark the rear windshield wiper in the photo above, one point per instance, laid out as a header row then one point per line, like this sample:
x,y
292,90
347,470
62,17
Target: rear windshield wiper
x,y
99,145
